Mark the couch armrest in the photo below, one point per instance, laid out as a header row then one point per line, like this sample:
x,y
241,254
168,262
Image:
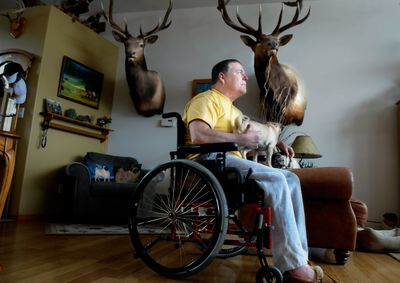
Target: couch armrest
x,y
77,170
330,183
81,175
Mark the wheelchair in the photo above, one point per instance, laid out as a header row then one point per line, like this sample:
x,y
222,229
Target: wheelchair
x,y
183,213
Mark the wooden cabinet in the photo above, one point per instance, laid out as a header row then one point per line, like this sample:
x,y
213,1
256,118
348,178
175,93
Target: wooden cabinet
x,y
7,159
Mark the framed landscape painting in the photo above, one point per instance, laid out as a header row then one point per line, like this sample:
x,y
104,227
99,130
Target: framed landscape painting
x,y
79,83
200,86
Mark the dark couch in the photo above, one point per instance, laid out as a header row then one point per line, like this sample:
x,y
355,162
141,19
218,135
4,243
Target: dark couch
x,y
101,201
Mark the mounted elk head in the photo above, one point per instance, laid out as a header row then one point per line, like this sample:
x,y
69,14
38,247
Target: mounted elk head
x,y
17,22
280,92
145,86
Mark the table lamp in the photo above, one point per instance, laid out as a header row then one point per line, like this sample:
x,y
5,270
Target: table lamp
x,y
305,148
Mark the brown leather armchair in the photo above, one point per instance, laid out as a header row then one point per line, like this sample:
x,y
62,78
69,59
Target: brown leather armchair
x,y
330,219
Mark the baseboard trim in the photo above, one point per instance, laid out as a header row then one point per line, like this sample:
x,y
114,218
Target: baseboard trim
x,y
30,217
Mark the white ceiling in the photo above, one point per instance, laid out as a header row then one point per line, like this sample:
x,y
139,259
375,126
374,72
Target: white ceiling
x,y
125,6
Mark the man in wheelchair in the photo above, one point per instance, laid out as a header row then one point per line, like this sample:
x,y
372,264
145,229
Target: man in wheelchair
x,y
210,117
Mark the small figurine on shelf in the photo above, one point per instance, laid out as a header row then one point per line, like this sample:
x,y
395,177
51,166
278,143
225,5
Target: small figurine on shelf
x,y
103,121
70,113
84,118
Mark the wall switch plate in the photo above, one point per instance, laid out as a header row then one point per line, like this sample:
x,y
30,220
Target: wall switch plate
x,y
168,122
21,112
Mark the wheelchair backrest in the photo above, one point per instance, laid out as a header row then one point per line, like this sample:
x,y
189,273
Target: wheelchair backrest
x,y
231,179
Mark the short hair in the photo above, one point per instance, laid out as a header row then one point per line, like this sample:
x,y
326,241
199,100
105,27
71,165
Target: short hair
x,y
221,67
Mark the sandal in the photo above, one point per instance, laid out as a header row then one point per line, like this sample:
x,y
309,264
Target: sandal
x,y
289,278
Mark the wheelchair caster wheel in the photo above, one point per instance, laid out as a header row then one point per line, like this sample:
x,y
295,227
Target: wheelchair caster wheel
x,y
269,274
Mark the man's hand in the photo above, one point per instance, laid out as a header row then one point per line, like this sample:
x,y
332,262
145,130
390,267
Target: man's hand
x,y
200,132
286,149
251,138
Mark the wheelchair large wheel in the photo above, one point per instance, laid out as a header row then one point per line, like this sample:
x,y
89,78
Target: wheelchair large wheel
x,y
226,252
178,218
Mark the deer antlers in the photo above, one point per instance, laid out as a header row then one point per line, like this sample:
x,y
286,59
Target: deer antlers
x,y
160,26
17,24
245,28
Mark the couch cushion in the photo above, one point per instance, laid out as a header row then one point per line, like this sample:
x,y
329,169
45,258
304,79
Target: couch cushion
x,y
122,190
123,175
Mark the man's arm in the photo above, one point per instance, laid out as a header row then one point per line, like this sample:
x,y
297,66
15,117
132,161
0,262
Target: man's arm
x,y
200,132
286,149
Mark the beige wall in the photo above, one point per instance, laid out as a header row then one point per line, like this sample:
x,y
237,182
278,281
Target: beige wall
x,y
51,34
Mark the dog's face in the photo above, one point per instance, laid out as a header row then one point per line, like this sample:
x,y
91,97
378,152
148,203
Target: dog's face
x,y
241,123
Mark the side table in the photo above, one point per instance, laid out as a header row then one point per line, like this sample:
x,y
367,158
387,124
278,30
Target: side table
x,y
7,164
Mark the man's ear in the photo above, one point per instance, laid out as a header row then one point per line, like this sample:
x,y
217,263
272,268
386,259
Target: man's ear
x,y
221,76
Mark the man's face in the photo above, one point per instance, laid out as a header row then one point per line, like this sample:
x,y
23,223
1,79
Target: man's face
x,y
236,79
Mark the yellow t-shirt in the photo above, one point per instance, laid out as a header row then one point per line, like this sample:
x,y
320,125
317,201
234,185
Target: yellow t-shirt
x,y
213,108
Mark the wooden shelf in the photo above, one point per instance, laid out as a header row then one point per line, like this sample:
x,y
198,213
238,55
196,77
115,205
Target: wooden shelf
x,y
99,133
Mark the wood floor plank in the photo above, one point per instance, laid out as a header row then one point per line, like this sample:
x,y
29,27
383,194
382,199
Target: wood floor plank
x,y
28,255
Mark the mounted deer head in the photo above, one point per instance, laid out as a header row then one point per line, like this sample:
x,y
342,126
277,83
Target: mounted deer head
x,y
17,22
280,92
145,86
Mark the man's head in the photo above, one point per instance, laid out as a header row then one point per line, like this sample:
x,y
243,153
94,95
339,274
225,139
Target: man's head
x,y
221,67
229,77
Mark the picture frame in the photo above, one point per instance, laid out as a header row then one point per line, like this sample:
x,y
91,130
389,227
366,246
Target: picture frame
x,y
200,85
52,106
80,83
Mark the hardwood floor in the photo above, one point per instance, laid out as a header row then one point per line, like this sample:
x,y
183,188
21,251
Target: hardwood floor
x,y
28,255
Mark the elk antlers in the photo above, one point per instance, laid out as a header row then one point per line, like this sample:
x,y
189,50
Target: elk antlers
x,y
280,92
246,28
17,23
160,26
257,33
295,21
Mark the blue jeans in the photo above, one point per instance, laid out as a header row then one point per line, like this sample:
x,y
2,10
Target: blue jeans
x,y
283,195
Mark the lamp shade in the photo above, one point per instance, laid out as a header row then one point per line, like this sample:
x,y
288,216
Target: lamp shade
x,y
304,147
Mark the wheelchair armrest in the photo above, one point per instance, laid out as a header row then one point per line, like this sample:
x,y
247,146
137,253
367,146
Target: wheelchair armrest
x,y
208,148
171,115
